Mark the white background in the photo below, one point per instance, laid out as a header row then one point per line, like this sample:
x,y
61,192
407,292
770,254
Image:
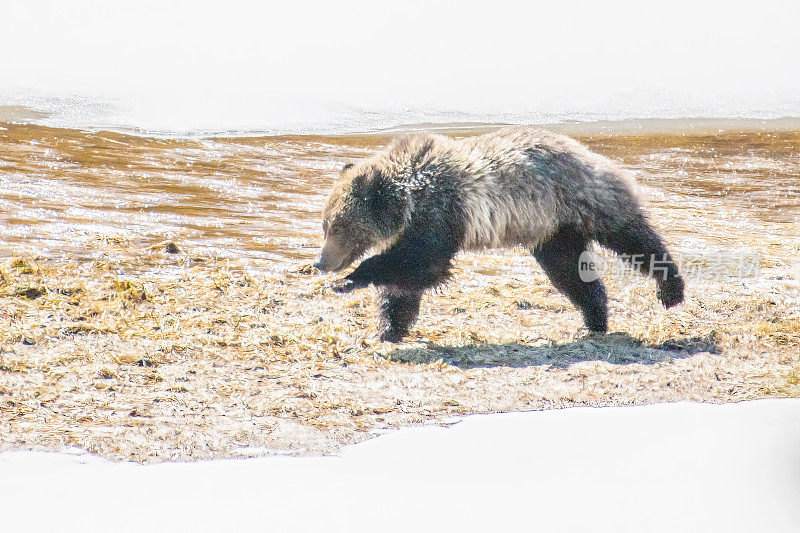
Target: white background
x,y
658,468
199,64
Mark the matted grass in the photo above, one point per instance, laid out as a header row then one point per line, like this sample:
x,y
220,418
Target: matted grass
x,y
195,357
150,352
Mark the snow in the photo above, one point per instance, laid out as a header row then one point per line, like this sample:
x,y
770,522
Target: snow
x,y
664,467
347,66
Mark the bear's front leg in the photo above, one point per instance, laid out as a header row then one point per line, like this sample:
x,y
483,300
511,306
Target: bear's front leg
x,y
419,260
369,272
398,311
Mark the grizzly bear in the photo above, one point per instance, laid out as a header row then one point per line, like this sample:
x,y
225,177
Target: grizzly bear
x,y
426,197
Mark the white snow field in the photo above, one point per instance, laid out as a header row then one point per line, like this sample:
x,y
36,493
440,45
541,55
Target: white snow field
x,y
667,467
316,66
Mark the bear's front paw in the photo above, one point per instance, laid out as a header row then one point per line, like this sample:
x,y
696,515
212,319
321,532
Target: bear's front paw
x,y
344,285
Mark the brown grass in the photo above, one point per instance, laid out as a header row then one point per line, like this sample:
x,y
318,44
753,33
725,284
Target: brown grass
x,y
158,351
224,360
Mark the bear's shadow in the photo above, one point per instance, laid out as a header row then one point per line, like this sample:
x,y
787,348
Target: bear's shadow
x,y
614,348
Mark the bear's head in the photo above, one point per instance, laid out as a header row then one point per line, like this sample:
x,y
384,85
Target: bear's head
x,y
367,208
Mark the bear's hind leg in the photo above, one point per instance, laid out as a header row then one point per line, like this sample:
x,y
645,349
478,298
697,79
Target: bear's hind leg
x,y
639,245
560,257
398,310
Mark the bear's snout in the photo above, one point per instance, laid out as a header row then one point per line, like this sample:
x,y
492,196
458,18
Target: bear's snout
x,y
334,256
319,265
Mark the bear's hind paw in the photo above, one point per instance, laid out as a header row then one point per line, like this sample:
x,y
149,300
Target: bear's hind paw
x,y
671,292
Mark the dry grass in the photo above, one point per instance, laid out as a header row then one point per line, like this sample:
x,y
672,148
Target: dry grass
x,y
219,359
152,350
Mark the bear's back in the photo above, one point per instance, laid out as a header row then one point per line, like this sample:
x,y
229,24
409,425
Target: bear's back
x,y
520,184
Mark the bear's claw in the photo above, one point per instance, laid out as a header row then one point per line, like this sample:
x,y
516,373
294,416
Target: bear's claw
x,y
342,286
345,285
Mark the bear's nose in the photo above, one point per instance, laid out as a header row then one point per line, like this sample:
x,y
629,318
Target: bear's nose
x,y
318,263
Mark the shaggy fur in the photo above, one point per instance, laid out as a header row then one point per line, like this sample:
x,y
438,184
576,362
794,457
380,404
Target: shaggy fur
x,y
428,196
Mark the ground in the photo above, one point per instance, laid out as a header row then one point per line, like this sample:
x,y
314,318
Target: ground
x,y
141,350
218,359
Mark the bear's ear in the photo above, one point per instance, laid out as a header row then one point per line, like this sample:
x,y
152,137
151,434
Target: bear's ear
x,y
347,166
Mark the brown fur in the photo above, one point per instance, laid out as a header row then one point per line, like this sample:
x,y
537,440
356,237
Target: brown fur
x,y
428,196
